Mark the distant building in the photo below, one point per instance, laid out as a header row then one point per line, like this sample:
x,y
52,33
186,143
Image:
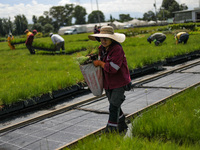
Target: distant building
x,y
187,16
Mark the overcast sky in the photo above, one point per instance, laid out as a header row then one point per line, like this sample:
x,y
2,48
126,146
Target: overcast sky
x,y
136,8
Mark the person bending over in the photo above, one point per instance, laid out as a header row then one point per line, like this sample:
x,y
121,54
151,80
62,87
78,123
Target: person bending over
x,y
157,38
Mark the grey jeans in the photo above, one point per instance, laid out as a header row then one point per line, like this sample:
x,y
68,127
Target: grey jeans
x,y
31,49
115,97
60,45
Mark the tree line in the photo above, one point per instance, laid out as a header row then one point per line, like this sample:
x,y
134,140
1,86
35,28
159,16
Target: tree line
x,y
52,20
59,16
165,11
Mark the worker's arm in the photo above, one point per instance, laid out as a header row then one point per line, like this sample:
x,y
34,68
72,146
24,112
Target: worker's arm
x,y
176,40
99,63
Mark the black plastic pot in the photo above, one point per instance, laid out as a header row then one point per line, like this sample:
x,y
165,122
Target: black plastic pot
x,y
65,91
44,49
12,108
30,102
146,69
43,98
176,59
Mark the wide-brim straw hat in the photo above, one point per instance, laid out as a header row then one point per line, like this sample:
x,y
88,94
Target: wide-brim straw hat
x,y
108,32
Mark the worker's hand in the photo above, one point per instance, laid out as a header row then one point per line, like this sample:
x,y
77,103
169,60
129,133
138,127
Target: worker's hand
x,y
99,63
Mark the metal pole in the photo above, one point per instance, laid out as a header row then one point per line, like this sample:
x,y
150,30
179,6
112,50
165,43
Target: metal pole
x,y
91,5
155,11
162,8
163,15
98,13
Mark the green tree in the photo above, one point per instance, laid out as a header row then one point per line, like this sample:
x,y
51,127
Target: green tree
x,y
6,26
45,19
21,24
69,8
38,27
48,28
1,28
111,19
94,18
124,17
166,10
34,19
183,7
171,5
58,14
150,15
62,15
163,14
79,14
41,20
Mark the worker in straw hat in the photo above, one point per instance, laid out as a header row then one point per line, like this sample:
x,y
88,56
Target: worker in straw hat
x,y
116,77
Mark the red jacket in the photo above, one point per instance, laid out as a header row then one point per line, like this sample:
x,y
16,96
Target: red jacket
x,y
29,40
116,73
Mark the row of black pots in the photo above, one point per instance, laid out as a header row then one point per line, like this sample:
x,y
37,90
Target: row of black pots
x,y
44,49
17,43
5,109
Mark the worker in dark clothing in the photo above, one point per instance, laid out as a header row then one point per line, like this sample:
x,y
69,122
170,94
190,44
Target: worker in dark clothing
x,y
29,42
116,76
96,29
181,37
157,38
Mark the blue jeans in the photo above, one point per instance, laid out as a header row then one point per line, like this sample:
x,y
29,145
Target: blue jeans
x,y
183,38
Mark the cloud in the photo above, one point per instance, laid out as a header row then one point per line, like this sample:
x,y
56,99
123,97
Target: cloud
x,y
34,8
64,2
115,7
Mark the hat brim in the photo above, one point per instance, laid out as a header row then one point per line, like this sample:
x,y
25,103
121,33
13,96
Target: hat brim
x,y
116,36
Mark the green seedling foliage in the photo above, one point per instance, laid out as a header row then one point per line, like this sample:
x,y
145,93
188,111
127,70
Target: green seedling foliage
x,y
18,40
140,53
91,54
76,38
3,39
119,142
44,45
24,75
178,120
82,59
72,43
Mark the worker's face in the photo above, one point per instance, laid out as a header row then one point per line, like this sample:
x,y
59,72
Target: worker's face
x,y
105,42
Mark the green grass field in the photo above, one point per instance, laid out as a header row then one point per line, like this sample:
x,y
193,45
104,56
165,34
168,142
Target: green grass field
x,y
24,75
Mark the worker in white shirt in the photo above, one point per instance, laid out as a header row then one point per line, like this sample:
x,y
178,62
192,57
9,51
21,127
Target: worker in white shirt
x,y
58,41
